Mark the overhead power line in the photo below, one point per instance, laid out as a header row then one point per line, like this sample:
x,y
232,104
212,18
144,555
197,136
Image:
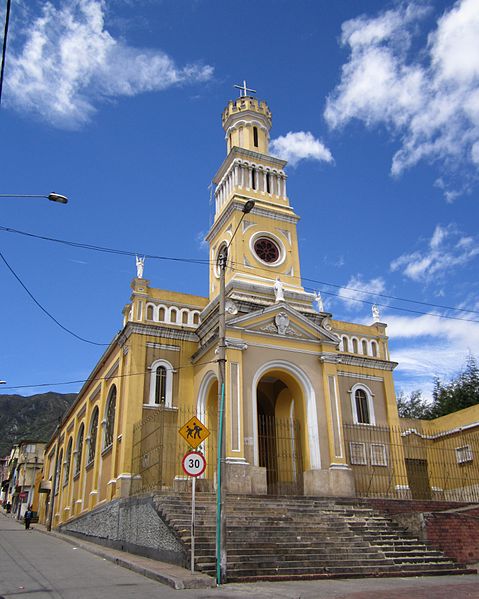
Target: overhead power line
x,y
310,280
4,47
101,378
206,261
43,309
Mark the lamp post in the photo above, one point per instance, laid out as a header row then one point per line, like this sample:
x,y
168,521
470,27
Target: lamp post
x,y
221,480
53,197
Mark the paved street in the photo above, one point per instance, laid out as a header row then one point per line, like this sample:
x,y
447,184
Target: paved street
x,y
40,566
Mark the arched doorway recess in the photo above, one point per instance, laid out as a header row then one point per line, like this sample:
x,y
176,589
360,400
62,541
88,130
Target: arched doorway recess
x,y
285,426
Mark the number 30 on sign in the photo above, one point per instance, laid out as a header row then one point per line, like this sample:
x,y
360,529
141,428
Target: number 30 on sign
x,y
194,463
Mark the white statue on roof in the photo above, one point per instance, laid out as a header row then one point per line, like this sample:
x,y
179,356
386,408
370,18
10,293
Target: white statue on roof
x,y
376,315
319,301
140,263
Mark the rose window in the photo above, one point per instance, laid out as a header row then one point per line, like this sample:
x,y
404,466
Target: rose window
x,y
266,250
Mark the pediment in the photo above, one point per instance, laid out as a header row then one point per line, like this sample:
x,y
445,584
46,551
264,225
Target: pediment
x,y
284,321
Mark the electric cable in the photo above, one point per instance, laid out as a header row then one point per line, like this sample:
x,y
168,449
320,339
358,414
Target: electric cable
x,y
43,309
4,48
101,378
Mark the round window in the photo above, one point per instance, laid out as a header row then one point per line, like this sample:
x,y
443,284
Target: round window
x,y
266,250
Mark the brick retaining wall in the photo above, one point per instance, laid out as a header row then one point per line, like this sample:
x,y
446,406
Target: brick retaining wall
x,y
450,526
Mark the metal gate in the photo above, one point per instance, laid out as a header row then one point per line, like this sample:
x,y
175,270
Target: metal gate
x,y
280,453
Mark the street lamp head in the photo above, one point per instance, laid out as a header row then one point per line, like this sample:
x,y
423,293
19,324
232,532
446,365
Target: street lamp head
x,y
56,197
248,206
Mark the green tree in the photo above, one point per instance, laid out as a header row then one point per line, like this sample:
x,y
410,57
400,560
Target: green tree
x,y
460,392
412,406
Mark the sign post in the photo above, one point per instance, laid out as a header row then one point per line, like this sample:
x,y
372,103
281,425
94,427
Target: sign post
x,y
194,432
194,464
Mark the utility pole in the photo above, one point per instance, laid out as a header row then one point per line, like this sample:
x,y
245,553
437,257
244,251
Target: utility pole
x,y
221,556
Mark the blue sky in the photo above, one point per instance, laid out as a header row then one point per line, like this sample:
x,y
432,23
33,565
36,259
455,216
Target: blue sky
x,y
118,106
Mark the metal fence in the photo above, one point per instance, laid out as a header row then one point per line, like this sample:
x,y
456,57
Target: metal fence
x,y
422,463
158,449
280,453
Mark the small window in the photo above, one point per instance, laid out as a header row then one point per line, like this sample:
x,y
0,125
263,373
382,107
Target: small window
x,y
358,453
464,454
268,183
364,345
110,417
362,408
160,391
59,469
378,455
149,313
161,314
79,449
161,384
345,344
173,314
253,178
355,346
374,349
93,436
255,136
184,318
196,318
68,461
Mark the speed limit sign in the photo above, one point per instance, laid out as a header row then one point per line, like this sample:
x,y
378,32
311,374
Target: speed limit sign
x,y
194,463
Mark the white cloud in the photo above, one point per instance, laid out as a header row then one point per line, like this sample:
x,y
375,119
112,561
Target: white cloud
x,y
429,99
448,248
427,346
300,145
69,62
358,289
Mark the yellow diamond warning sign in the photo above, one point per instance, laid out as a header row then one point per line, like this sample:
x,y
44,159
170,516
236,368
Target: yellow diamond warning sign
x,y
194,432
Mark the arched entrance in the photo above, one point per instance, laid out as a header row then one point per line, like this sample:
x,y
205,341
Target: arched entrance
x,y
207,412
280,432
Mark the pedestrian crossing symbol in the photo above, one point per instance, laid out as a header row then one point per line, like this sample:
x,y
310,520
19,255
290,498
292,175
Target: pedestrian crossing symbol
x,y
194,432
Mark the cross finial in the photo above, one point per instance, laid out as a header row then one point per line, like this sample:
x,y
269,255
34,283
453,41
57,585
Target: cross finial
x,y
244,89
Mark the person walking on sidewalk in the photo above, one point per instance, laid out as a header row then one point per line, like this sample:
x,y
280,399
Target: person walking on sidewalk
x,y
28,517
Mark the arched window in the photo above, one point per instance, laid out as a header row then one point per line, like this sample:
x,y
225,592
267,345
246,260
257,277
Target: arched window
x,y
255,137
161,314
374,349
93,435
59,471
345,344
196,318
161,384
364,345
355,346
68,461
184,317
149,313
253,178
268,183
79,449
110,418
173,314
362,405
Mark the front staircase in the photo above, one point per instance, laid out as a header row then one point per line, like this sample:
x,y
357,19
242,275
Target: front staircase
x,y
285,538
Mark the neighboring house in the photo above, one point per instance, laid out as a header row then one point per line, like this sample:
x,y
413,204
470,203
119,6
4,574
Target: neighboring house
x,y
302,389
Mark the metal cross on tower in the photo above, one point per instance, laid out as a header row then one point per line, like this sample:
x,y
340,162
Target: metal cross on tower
x,y
244,89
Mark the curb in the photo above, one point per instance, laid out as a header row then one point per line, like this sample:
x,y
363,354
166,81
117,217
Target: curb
x,y
174,576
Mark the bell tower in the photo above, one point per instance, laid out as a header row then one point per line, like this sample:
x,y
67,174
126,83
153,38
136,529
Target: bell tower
x,y
265,247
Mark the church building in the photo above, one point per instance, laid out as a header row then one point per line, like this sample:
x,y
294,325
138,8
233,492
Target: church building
x,y
295,376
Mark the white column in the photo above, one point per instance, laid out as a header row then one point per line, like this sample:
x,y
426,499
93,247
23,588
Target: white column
x,y
265,189
250,168
236,177
284,185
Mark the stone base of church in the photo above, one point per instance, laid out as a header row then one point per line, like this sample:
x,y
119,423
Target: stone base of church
x,y
337,481
244,479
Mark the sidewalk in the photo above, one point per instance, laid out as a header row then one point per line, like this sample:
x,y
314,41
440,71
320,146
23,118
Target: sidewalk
x,y
199,586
